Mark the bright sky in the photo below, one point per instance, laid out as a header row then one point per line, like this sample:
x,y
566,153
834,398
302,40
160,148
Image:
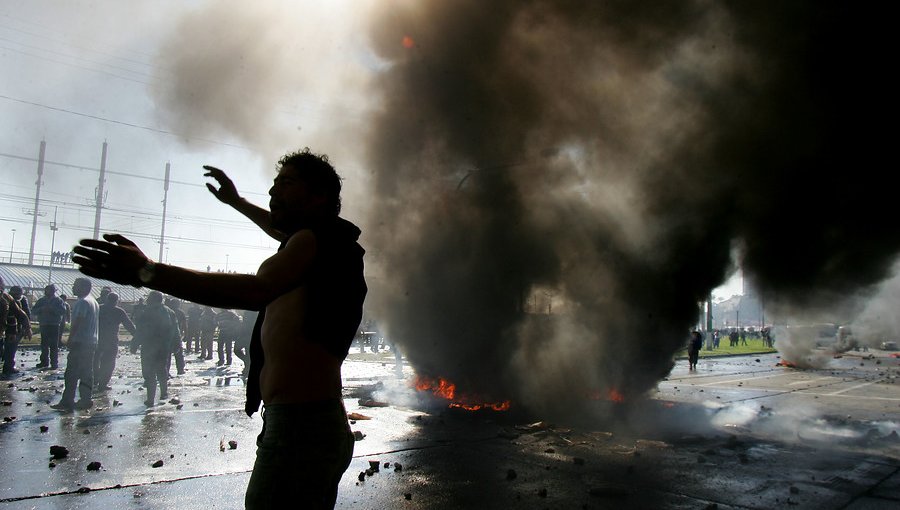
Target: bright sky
x,y
270,79
78,73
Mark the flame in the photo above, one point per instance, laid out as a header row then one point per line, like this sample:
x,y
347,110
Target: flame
x,y
445,389
785,363
408,42
613,395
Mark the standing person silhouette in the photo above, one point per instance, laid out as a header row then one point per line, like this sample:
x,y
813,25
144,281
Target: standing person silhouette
x,y
309,294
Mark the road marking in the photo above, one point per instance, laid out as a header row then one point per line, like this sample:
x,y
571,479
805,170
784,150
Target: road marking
x,y
811,381
741,379
863,385
860,397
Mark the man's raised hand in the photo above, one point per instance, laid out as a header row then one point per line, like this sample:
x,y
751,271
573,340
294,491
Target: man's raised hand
x,y
116,258
226,193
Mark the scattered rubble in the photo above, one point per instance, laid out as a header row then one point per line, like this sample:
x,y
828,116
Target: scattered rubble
x,y
359,436
157,464
362,476
372,403
232,444
357,416
44,429
59,452
375,465
94,466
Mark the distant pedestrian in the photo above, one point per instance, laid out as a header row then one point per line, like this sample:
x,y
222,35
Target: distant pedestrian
x,y
192,334
50,311
207,332
67,319
82,342
111,317
174,304
21,329
694,349
157,332
13,320
229,324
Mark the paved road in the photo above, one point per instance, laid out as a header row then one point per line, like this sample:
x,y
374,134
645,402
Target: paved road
x,y
737,433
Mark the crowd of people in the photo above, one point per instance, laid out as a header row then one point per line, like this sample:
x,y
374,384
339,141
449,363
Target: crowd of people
x,y
159,327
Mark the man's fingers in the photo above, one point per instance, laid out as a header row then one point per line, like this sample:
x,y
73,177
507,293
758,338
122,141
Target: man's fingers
x,y
212,189
119,239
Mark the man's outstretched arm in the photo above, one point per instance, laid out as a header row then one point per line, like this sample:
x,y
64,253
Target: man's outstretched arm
x,y
227,194
119,260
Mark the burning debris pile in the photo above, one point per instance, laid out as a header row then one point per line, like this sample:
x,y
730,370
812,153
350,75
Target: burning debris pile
x,y
560,183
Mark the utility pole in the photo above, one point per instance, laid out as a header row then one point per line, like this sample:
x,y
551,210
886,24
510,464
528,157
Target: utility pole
x,y
53,229
100,197
37,199
162,234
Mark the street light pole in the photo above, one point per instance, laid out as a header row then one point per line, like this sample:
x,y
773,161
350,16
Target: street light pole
x,y
53,228
11,245
226,262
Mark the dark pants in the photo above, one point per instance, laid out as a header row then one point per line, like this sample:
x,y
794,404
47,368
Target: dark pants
x,y
79,372
153,368
317,433
178,352
50,345
10,343
105,363
225,344
192,337
206,341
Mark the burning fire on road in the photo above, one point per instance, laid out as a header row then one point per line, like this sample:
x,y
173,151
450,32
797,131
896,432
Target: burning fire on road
x,y
445,389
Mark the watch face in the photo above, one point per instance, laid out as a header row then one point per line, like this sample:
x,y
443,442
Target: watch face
x,y
145,274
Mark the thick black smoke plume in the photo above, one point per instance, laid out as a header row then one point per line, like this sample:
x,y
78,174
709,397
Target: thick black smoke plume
x,y
559,183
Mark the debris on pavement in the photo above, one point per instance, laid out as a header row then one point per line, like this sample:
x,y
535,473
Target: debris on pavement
x,y
357,416
59,452
358,435
157,464
232,444
94,466
372,403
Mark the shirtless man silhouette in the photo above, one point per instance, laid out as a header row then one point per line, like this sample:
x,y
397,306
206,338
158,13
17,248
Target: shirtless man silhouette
x,y
309,295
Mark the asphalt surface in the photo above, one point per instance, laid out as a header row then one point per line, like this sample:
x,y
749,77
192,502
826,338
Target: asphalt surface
x,y
739,432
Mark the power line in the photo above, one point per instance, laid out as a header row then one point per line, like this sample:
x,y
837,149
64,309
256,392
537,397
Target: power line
x,y
112,172
122,123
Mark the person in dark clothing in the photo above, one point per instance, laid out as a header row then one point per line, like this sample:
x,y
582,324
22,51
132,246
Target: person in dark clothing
x,y
178,348
192,335
310,296
50,312
157,332
67,319
14,335
15,323
111,317
229,324
207,332
694,349
242,343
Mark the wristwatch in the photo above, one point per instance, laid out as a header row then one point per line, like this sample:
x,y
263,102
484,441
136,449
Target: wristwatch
x,y
147,273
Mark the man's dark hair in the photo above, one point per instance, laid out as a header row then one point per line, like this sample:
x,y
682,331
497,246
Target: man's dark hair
x,y
316,171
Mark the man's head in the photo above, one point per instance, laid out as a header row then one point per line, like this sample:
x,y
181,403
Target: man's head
x,y
104,292
307,189
81,287
15,291
154,297
2,284
112,299
50,290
